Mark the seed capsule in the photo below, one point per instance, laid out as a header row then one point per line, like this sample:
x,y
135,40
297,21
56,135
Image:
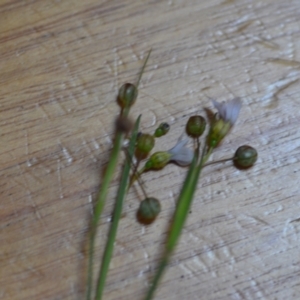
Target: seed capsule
x,y
245,156
162,129
144,145
158,160
127,95
195,126
148,210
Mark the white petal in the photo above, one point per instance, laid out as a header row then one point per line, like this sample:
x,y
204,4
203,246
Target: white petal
x,y
184,158
180,154
234,110
178,147
220,108
228,111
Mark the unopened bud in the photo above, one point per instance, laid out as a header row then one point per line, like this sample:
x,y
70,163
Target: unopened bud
x,y
158,160
127,95
162,129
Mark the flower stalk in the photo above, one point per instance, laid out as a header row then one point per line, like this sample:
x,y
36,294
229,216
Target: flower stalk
x,y
228,113
180,154
116,215
128,99
179,217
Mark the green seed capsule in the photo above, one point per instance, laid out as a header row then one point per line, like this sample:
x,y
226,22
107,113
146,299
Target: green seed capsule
x,y
148,210
195,126
158,160
144,145
245,156
127,95
162,129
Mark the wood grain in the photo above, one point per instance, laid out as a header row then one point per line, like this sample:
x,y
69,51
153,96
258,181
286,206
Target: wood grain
x,y
62,63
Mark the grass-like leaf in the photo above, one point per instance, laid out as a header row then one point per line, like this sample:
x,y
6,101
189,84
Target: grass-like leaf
x,y
100,204
180,215
104,189
117,214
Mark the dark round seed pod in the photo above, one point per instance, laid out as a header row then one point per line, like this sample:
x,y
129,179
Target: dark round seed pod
x,y
148,210
195,126
144,145
162,129
245,157
127,95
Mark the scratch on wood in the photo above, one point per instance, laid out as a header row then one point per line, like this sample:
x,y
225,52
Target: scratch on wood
x,y
286,62
242,25
258,220
266,43
295,220
36,211
275,88
44,111
67,155
26,187
58,169
89,149
90,201
26,143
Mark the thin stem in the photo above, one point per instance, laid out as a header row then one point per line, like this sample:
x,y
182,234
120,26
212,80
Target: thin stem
x,y
207,155
180,215
184,203
135,177
219,161
134,168
103,192
100,204
158,275
116,216
143,68
141,183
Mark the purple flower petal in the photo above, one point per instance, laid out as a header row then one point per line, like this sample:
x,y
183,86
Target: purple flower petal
x,y
180,154
228,111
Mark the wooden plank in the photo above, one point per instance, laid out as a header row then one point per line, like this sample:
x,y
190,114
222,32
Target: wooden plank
x,y
62,63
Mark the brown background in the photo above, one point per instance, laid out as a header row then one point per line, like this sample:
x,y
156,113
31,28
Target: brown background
x,y
62,63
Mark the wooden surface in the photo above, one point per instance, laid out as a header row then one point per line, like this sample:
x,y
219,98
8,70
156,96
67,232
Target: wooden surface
x,y
62,63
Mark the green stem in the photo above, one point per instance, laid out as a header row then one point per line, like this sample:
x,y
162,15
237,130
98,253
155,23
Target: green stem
x,y
207,155
135,177
158,275
219,161
100,204
180,215
116,215
103,193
